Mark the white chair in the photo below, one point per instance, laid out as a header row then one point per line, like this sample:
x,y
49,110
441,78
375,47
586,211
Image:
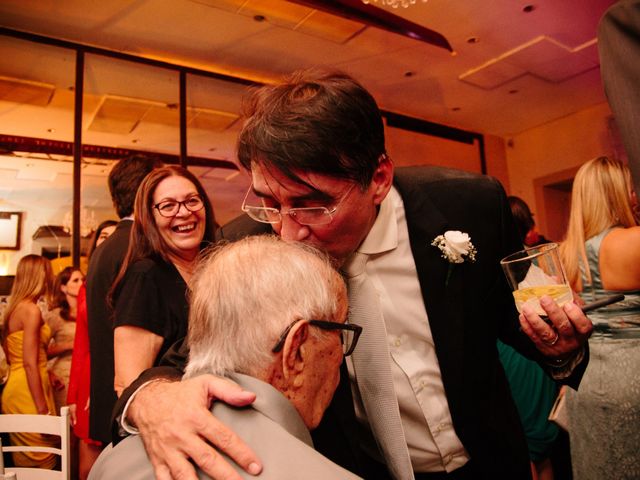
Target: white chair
x,y
46,424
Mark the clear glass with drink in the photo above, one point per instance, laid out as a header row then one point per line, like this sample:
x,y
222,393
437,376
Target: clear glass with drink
x,y
535,272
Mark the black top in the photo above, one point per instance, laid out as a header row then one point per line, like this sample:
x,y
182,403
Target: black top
x,y
153,296
103,268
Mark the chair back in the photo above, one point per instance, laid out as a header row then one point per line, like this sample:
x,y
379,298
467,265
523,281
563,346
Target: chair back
x,y
43,424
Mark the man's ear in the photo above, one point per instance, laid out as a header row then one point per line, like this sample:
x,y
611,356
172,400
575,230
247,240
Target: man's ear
x,y
382,179
293,352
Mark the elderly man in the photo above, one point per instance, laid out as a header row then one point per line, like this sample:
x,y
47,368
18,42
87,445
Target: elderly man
x,y
425,396
270,316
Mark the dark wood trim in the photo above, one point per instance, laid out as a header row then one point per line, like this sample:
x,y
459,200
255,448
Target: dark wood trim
x,y
9,143
183,119
77,158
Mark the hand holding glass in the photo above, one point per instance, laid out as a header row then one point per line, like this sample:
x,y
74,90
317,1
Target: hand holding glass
x,y
535,272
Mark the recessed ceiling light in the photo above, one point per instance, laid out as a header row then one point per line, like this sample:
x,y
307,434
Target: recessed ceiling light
x,y
259,18
455,109
409,73
473,40
514,90
135,140
528,8
212,149
51,130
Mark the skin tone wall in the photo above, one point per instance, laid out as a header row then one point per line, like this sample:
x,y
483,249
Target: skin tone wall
x,y
559,146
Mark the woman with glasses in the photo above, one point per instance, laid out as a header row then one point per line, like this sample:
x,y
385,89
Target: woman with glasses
x,y
173,221
270,315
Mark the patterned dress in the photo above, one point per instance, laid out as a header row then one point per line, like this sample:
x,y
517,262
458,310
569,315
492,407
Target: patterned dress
x,y
62,331
604,414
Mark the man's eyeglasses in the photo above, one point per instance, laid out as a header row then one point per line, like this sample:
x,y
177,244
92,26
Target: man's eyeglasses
x,y
349,334
302,215
170,208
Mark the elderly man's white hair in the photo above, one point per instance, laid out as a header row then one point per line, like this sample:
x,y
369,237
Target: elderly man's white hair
x,y
244,294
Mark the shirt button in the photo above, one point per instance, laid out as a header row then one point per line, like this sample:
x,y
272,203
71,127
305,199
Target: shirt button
x,y
397,342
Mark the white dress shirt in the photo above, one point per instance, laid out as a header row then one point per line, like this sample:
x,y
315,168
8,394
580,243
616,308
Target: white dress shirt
x,y
432,442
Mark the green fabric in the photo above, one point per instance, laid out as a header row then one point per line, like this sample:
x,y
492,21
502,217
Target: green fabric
x,y
534,393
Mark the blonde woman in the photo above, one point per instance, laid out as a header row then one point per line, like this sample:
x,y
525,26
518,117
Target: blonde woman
x,y
601,254
25,337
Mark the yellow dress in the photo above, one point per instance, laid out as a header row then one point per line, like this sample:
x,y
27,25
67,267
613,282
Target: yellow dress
x,y
16,398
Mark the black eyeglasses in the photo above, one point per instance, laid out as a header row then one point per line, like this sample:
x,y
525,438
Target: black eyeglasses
x,y
349,334
170,208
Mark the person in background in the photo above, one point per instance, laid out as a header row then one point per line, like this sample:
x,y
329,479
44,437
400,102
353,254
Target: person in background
x,y
525,225
533,390
62,322
270,316
124,179
425,394
173,221
619,51
104,231
25,337
80,375
601,255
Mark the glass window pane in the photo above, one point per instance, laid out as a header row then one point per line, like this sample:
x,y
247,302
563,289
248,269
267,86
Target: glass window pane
x,y
213,124
36,124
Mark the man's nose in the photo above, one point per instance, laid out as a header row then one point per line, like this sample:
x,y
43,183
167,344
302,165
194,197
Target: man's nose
x,y
291,230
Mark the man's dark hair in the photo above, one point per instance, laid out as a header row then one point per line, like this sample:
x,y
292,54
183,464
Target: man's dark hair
x,y
125,178
523,218
314,121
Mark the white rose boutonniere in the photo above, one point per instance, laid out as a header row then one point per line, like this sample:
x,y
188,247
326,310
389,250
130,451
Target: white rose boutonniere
x,y
456,246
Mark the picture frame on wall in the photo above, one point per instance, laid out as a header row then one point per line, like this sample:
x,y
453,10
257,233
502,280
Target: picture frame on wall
x,y
10,230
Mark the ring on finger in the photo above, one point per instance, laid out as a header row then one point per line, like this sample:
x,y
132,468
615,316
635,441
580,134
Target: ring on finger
x,y
552,341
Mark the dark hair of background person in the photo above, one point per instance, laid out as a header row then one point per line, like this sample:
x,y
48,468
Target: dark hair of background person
x,y
523,218
124,179
59,299
145,240
94,238
319,121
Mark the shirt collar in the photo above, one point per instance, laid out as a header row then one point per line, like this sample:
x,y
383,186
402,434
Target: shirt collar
x,y
383,236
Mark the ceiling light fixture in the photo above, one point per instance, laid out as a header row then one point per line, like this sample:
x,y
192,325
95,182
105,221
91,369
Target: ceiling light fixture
x,y
394,3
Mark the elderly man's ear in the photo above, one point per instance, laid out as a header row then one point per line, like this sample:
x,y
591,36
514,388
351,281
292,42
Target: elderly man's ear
x,y
294,354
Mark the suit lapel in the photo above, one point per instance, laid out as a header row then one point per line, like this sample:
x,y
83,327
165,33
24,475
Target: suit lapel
x,y
443,297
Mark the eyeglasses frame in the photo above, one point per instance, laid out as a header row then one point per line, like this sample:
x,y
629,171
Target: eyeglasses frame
x,y
183,203
292,211
324,325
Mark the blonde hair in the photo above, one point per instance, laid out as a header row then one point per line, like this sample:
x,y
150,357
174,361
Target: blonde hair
x,y
246,293
600,199
34,278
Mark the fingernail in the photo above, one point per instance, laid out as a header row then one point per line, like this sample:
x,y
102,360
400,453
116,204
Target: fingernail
x,y
545,301
254,468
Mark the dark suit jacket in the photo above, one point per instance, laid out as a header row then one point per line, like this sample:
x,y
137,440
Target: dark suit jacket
x,y
619,49
466,313
103,268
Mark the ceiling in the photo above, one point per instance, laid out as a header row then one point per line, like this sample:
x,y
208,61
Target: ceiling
x,y
515,65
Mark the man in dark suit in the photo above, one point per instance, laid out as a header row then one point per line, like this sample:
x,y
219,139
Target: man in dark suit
x,y
425,395
619,49
124,179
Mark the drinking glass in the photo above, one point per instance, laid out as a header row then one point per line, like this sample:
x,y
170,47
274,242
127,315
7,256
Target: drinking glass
x,y
535,272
